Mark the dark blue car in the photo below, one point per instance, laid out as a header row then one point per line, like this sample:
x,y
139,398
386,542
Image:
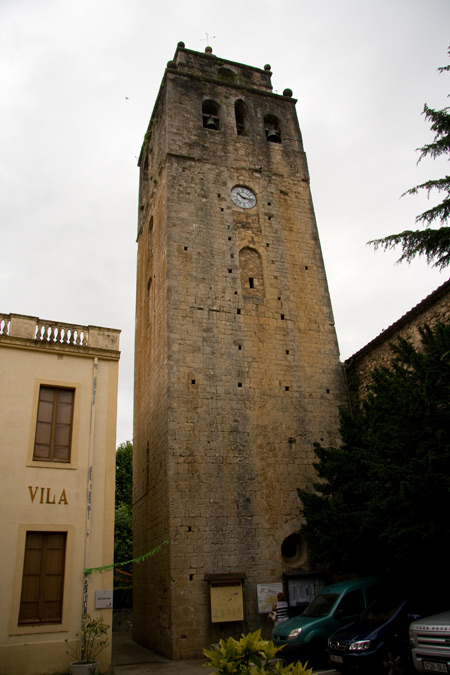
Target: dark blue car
x,y
378,641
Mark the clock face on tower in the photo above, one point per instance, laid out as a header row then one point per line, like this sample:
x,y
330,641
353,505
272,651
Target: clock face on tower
x,y
243,197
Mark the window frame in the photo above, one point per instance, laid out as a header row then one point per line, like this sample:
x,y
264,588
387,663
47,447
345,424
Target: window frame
x,y
43,628
45,563
57,404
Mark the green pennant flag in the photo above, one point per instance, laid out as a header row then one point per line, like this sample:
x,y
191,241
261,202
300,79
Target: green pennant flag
x,y
139,559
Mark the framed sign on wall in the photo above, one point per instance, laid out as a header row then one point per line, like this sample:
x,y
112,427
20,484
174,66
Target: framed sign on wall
x,y
227,597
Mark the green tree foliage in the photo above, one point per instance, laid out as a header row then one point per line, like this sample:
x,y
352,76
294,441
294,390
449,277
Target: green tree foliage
x,y
383,498
123,533
123,526
433,243
124,473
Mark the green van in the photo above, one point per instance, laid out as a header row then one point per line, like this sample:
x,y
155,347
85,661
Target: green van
x,y
305,637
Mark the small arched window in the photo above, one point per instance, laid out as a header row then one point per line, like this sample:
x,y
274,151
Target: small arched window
x,y
226,74
210,114
252,280
272,128
240,112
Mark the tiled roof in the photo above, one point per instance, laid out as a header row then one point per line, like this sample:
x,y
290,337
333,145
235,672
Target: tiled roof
x,y
405,319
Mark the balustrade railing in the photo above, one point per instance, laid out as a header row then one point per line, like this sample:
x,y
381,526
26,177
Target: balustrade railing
x,y
59,333
4,324
69,334
17,325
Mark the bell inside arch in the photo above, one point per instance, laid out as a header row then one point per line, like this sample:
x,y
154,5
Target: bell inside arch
x,y
210,122
273,136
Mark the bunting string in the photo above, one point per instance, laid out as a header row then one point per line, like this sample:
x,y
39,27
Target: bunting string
x,y
106,568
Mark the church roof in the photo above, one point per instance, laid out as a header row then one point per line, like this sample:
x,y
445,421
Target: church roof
x,y
407,318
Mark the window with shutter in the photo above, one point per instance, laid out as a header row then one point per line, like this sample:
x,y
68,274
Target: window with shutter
x,y
41,599
54,425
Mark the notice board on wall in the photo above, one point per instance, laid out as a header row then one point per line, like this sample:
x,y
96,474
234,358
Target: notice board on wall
x,y
227,602
227,597
267,596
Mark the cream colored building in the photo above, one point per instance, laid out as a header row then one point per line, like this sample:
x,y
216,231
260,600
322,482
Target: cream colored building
x,y
58,406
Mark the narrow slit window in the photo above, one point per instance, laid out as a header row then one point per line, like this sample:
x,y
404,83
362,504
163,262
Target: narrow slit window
x,y
252,281
240,112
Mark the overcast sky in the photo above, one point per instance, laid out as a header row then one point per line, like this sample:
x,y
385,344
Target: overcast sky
x,y
78,83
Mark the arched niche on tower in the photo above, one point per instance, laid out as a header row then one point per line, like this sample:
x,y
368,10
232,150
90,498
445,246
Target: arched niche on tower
x,y
241,116
272,128
211,114
226,74
252,279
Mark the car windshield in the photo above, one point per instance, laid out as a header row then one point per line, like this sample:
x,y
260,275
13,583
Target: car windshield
x,y
321,605
383,608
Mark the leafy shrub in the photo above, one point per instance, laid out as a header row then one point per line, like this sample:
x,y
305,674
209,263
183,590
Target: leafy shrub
x,y
252,655
92,639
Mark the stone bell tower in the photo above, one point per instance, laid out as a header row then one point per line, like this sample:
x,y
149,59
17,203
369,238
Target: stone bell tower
x,y
237,366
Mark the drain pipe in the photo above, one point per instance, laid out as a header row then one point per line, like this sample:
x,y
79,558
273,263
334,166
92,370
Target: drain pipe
x,y
89,500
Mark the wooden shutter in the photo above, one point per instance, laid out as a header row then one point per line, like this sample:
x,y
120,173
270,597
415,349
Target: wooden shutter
x,y
54,425
43,578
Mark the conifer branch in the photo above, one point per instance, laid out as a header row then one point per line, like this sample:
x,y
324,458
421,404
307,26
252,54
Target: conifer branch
x,y
432,243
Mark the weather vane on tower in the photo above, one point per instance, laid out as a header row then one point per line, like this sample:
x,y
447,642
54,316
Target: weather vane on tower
x,y
208,38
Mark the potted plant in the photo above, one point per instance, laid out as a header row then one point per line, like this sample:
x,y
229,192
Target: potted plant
x,y
90,642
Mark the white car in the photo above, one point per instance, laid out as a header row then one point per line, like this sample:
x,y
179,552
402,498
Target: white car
x,y
430,642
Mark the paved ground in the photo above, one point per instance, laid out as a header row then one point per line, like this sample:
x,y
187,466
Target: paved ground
x,y
129,658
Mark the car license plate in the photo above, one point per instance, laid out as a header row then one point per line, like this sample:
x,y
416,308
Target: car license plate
x,y
431,667
335,658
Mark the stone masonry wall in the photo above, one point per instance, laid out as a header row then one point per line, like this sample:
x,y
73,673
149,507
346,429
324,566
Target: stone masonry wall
x,y
432,310
235,379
